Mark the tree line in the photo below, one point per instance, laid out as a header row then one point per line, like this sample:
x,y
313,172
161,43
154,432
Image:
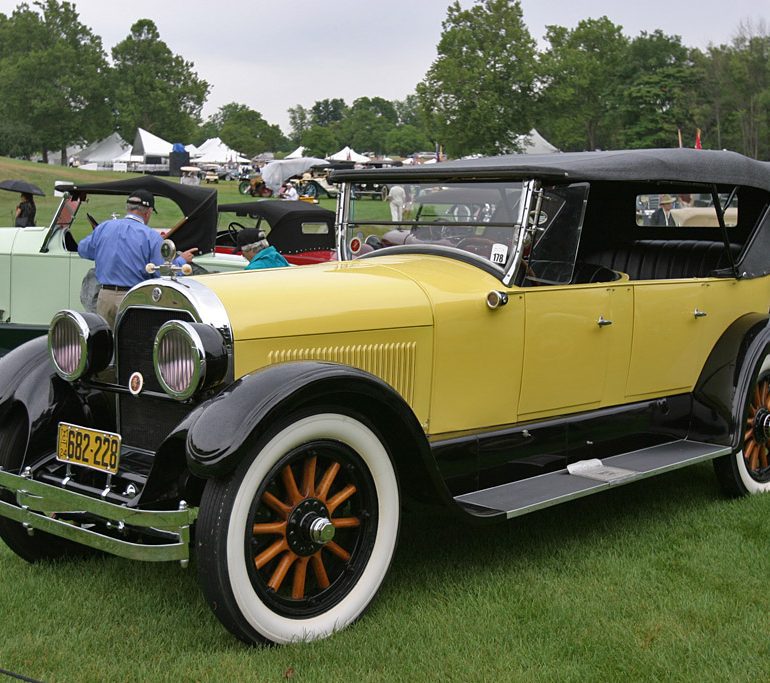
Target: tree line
x,y
589,87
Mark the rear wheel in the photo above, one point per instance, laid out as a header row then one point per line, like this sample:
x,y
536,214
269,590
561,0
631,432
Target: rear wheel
x,y
40,546
295,543
748,470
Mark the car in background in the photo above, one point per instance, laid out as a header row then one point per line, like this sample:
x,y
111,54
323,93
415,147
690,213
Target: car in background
x,y
532,346
41,271
303,233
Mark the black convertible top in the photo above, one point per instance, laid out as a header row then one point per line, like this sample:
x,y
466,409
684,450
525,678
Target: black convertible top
x,y
287,221
679,164
198,204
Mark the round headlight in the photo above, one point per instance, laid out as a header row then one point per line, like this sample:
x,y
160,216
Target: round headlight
x,y
79,344
188,357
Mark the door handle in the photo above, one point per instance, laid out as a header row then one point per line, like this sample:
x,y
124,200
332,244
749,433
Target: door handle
x,y
699,314
602,322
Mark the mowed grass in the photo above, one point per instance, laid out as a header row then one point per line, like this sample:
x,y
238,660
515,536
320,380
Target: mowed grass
x,y
663,580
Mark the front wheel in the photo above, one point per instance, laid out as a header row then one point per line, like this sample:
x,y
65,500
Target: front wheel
x,y
295,543
748,470
244,187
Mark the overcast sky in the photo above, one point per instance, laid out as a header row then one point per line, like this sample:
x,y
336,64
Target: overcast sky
x,y
274,55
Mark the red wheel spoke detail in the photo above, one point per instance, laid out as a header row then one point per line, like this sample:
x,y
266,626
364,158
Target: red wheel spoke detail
x,y
346,522
291,485
339,551
308,477
748,434
757,399
274,550
298,584
279,506
281,570
326,483
319,570
762,456
335,501
269,528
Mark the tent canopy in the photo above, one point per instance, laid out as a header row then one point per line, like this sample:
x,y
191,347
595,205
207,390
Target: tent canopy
x,y
104,151
297,153
534,143
214,151
148,145
348,154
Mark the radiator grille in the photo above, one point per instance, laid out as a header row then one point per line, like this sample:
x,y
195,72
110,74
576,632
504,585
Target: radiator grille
x,y
145,421
394,363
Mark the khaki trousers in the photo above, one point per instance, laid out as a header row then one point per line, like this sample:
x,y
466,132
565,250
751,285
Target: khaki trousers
x,y
107,304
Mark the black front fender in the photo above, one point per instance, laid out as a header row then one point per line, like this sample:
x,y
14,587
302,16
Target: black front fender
x,y
219,431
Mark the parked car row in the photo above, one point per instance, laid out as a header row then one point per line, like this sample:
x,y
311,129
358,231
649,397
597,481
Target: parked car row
x,y
516,341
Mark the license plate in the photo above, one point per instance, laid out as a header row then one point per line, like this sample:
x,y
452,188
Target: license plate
x,y
88,447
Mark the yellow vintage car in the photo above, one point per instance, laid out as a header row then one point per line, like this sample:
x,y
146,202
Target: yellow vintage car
x,y
510,339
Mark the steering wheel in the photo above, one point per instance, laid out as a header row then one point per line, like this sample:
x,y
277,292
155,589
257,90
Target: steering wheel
x,y
232,230
481,246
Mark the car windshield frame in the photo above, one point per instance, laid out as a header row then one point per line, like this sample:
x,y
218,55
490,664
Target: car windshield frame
x,y
474,210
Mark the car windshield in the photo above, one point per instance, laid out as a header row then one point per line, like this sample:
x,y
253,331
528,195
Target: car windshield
x,y
478,218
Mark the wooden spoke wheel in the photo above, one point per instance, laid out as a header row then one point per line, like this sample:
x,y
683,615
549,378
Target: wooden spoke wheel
x,y
311,528
756,433
296,541
747,471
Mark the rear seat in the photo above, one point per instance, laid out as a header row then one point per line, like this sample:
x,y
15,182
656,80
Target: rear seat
x,y
664,259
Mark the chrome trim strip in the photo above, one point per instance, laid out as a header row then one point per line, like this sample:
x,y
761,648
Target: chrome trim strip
x,y
35,499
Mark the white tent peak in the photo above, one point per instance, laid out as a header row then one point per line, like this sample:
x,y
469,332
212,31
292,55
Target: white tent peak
x,y
534,143
297,153
148,145
103,152
214,151
348,154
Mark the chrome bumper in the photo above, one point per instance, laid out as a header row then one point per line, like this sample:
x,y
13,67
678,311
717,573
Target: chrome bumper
x,y
38,504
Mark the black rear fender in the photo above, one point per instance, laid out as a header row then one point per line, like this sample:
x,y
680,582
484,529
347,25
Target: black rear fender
x,y
721,390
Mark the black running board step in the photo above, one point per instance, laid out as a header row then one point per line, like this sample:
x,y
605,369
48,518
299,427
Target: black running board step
x,y
535,493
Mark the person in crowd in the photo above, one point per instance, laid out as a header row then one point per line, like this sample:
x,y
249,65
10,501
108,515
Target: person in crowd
x,y
257,251
663,215
26,211
397,199
122,248
289,191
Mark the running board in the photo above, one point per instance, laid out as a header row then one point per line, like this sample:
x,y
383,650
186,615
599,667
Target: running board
x,y
584,478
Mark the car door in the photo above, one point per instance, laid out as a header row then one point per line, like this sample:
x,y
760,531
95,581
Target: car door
x,y
576,345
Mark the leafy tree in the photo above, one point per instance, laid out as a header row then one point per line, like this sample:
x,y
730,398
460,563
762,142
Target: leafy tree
x,y
54,89
656,96
245,130
320,141
406,140
478,94
300,119
155,89
408,111
581,80
325,112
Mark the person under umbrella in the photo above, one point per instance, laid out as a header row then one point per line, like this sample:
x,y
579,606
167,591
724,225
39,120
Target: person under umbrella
x,y
26,211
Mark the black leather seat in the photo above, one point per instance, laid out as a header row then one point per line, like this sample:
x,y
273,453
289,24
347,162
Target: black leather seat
x,y
664,259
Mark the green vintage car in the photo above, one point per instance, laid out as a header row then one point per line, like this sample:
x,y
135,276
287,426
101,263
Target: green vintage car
x,y
518,340
41,272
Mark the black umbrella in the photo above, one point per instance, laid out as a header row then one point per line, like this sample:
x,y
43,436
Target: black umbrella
x,y
21,186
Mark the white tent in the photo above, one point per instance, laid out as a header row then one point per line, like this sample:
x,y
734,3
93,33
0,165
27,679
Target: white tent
x,y
148,145
103,152
534,143
214,151
347,154
275,172
297,153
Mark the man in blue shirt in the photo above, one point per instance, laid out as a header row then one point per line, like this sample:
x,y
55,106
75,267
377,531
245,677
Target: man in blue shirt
x,y
122,248
256,250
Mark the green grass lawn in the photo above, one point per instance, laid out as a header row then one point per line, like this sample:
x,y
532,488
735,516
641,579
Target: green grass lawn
x,y
662,580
